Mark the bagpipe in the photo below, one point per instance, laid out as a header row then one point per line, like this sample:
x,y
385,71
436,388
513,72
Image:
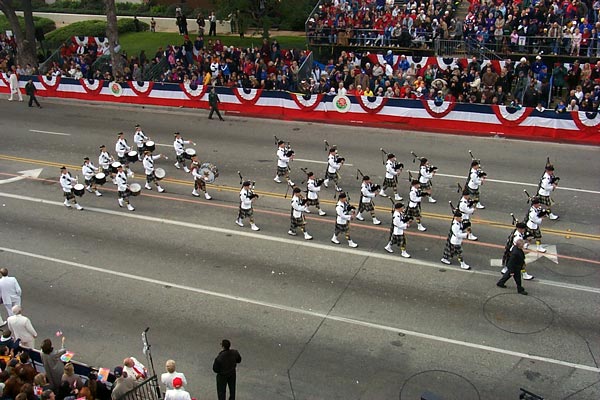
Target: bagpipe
x,y
527,235
287,150
542,212
480,172
404,218
420,193
251,195
471,202
371,187
464,225
318,181
428,168
553,179
338,159
384,154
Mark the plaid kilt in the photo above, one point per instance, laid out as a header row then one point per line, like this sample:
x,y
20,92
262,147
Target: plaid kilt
x,y
341,229
68,195
414,212
312,202
534,233
245,213
334,176
474,193
425,186
124,194
180,158
389,182
296,222
451,250
199,184
545,200
370,206
400,240
282,171
151,178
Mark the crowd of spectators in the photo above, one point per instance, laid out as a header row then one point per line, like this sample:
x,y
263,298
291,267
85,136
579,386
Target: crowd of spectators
x,y
559,27
382,23
528,83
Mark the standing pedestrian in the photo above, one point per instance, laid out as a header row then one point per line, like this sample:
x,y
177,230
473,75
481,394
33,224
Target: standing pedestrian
x,y
21,328
30,90
516,262
13,81
213,101
167,377
224,367
53,366
152,25
10,291
212,31
201,24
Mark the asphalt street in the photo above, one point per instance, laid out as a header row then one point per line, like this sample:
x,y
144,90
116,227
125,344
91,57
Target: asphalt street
x,y
312,320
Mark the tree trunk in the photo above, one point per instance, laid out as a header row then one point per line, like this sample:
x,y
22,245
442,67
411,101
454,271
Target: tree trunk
x,y
26,48
112,33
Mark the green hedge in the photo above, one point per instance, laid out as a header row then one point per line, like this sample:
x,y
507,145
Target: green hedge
x,y
46,24
90,28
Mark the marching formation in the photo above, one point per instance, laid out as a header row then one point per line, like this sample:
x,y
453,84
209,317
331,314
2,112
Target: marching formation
x,y
302,199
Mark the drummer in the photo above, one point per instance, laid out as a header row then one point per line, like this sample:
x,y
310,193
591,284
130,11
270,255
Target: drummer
x,y
104,161
179,145
200,178
149,170
121,147
123,188
67,182
140,140
89,172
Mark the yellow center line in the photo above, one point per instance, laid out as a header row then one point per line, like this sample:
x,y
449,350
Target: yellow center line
x,y
234,189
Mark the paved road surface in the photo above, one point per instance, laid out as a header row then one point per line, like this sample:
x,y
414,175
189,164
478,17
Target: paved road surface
x,y
312,320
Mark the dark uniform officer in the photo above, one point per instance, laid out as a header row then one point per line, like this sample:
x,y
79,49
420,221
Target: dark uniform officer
x,y
516,262
224,367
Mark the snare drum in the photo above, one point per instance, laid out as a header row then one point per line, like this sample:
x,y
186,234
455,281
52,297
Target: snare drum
x,y
132,156
149,145
135,189
114,167
78,190
189,153
100,178
210,171
159,173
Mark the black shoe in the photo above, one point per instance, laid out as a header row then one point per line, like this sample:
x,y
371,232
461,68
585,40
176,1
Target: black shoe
x,y
523,292
501,285
222,119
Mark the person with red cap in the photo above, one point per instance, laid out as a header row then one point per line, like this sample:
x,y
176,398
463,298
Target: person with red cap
x,y
177,393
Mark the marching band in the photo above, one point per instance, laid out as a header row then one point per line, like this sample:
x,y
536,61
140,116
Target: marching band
x,y
402,217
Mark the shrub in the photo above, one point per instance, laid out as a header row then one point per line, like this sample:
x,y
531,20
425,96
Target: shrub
x,y
46,24
90,28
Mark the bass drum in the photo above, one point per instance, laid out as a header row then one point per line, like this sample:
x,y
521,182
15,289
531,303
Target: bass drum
x,y
210,171
150,146
78,190
159,173
114,167
100,178
189,153
135,189
132,156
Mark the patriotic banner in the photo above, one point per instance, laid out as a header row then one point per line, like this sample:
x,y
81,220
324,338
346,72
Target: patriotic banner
x,y
426,115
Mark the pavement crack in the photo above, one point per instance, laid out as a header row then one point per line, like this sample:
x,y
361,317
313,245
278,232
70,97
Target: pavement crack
x,y
305,346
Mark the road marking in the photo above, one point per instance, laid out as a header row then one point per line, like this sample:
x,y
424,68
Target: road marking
x,y
443,217
163,145
293,242
50,133
318,162
337,318
463,177
31,173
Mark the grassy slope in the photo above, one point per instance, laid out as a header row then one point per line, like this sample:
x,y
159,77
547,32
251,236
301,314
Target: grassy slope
x,y
133,42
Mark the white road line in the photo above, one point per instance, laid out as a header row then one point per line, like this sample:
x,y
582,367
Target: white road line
x,y
338,318
327,247
50,133
463,177
319,162
163,145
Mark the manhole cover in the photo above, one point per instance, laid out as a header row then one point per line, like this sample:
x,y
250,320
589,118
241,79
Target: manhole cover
x,y
446,385
515,313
